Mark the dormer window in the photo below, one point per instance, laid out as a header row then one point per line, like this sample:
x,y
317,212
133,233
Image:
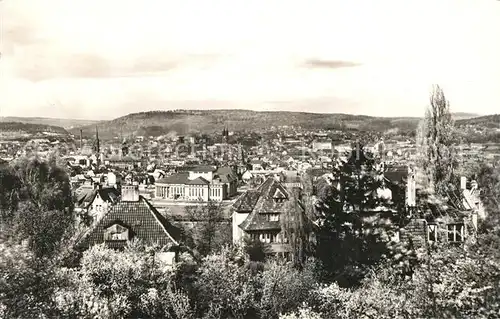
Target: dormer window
x,y
279,196
116,232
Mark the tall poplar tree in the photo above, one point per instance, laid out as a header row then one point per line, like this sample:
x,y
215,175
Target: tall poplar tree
x,y
435,139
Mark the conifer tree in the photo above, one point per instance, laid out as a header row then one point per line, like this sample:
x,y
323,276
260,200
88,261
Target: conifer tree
x,y
354,218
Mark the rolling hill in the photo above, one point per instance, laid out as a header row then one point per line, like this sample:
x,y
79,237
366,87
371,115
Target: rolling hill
x,y
10,130
457,116
156,123
488,121
64,123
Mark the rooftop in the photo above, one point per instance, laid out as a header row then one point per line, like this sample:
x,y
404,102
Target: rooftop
x,y
143,221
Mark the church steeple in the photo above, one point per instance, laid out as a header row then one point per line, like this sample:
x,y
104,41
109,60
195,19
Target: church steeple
x,y
97,144
225,134
97,149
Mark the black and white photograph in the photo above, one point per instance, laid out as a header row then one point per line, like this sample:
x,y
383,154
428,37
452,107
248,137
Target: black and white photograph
x,y
237,159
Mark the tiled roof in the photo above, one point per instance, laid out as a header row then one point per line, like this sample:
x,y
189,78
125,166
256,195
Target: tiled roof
x,y
143,221
201,168
177,178
198,181
225,178
226,174
267,190
246,202
84,198
261,202
108,194
226,171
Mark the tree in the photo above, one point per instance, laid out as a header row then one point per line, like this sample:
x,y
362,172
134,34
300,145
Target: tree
x,y
488,178
37,204
296,228
224,288
44,183
284,288
256,249
211,230
435,138
27,283
9,187
120,284
355,221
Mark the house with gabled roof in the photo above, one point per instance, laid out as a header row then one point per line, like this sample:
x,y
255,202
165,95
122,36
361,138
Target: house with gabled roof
x,y
97,201
134,218
257,214
452,220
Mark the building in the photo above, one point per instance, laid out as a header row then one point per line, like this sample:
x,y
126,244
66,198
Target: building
x,y
124,162
322,145
257,214
133,217
200,183
98,201
453,223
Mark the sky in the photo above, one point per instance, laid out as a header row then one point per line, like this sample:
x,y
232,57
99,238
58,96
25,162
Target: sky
x,y
101,59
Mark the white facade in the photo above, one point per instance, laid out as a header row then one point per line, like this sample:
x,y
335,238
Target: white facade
x,y
238,233
212,192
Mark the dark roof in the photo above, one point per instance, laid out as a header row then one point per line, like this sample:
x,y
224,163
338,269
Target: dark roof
x,y
198,181
200,168
246,202
143,221
396,174
256,161
177,178
86,197
225,170
261,202
267,190
123,159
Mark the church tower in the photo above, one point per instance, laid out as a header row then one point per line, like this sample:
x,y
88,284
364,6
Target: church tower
x,y
225,134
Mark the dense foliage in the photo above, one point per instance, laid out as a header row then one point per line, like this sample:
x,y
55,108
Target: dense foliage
x,y
30,128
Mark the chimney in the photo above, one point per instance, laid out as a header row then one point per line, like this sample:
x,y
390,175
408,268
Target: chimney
x,y
463,183
130,193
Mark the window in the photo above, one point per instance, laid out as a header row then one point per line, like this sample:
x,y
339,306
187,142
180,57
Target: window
x,y
272,238
273,217
455,233
116,233
432,232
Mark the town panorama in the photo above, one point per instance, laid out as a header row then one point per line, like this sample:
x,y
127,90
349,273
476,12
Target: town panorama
x,y
245,160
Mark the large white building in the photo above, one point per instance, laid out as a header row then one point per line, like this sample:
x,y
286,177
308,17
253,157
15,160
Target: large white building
x,y
201,183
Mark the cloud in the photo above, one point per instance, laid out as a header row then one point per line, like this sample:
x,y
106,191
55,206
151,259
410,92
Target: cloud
x,y
329,64
42,62
32,51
